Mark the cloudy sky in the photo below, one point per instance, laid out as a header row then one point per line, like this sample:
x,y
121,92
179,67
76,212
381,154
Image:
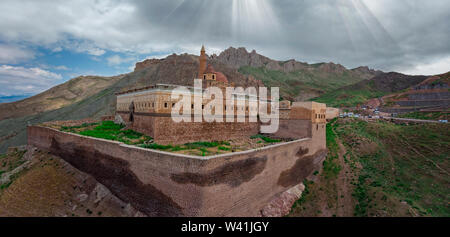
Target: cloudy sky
x,y
46,42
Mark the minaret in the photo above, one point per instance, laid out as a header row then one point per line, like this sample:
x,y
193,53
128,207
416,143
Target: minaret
x,y
202,61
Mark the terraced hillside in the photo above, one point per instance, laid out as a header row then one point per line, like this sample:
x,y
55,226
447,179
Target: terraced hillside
x,y
430,96
381,169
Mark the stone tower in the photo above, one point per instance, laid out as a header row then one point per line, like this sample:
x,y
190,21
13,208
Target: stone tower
x,y
202,66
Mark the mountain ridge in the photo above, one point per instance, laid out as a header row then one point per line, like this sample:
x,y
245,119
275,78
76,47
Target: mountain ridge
x,y
239,57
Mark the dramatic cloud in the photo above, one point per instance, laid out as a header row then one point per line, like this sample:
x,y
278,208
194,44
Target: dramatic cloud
x,y
399,35
20,80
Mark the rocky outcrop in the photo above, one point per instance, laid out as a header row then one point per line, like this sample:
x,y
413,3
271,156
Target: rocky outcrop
x,y
281,205
292,65
119,120
364,70
332,68
28,156
240,57
145,64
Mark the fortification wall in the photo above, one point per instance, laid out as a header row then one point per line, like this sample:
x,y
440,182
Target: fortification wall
x,y
142,124
332,113
294,129
166,184
165,131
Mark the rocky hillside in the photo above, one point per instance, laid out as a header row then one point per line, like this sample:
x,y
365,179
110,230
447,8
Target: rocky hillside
x,y
181,69
240,57
72,91
380,169
378,86
430,95
297,80
34,183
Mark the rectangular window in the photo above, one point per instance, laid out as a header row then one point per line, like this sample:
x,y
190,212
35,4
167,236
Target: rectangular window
x,y
165,105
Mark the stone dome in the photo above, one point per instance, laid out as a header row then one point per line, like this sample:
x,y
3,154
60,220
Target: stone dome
x,y
219,76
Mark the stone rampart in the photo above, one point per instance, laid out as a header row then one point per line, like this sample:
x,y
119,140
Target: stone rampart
x,y
167,184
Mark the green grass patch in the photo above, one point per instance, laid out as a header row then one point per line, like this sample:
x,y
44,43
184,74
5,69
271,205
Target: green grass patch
x,y
304,196
73,128
331,168
156,146
200,148
425,115
5,185
264,138
224,148
348,97
294,83
110,131
405,167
